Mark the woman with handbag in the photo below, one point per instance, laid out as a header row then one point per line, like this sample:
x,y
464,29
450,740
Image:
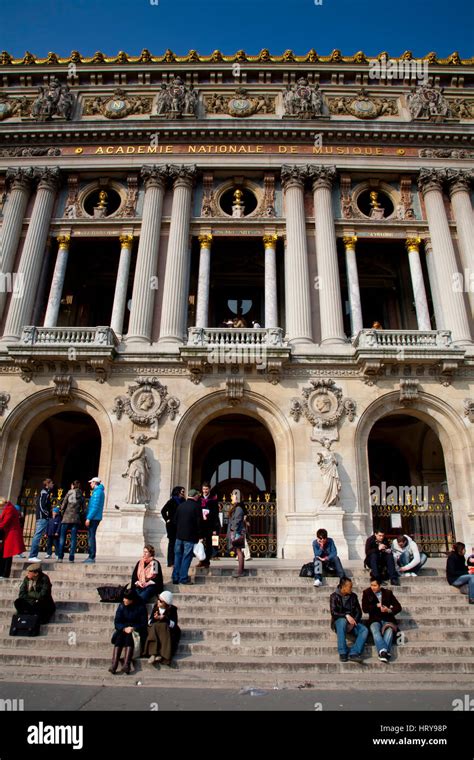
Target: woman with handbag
x,y
147,578
236,531
11,536
130,617
72,512
164,632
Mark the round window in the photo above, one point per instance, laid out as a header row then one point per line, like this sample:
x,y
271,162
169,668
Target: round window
x,y
102,202
238,202
375,204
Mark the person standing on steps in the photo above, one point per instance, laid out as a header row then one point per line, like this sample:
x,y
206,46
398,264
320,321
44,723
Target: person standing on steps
x,y
43,513
346,616
72,510
210,520
12,541
381,605
168,514
131,615
188,530
457,572
236,531
94,514
52,531
325,557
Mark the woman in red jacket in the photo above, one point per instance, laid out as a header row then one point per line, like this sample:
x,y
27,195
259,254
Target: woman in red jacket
x,y
12,534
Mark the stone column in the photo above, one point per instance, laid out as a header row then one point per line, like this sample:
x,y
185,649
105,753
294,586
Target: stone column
x,y
121,287
143,294
204,278
330,303
297,285
175,292
10,231
353,285
421,303
459,183
19,313
431,183
434,287
271,303
57,283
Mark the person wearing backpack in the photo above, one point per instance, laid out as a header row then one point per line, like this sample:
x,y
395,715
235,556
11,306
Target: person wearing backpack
x,y
43,513
72,510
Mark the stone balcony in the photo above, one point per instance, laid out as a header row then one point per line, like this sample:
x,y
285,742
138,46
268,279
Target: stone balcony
x,y
261,348
96,346
375,348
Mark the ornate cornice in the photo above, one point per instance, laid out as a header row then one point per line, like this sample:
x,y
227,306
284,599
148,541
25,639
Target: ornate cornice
x,y
122,58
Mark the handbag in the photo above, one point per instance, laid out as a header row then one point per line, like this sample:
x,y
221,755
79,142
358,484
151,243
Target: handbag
x,y
238,542
307,571
25,625
111,594
199,551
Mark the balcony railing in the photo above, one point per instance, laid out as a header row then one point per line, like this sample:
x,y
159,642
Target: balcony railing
x,y
69,336
213,337
403,339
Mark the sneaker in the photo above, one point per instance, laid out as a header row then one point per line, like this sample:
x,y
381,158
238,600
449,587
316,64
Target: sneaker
x,y
343,657
356,658
383,655
89,561
151,660
71,560
410,575
34,559
59,559
395,582
48,556
317,582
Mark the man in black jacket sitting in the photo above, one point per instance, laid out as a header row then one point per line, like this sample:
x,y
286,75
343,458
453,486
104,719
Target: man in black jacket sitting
x,y
346,615
378,556
188,519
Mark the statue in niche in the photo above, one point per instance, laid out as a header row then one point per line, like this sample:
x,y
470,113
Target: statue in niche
x,y
137,472
238,208
327,463
376,211
101,209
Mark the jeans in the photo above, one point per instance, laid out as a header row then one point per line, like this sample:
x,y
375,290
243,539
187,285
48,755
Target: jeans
x,y
93,525
466,579
146,594
62,540
376,562
171,541
404,559
52,540
360,631
382,642
333,566
183,556
41,526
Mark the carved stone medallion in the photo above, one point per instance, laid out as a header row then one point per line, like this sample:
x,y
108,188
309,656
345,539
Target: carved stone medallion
x,y
147,402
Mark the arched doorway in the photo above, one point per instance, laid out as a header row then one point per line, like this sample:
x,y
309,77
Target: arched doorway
x,y
237,451
408,483
65,447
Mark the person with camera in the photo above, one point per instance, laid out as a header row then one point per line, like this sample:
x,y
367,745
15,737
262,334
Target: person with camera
x,y
379,558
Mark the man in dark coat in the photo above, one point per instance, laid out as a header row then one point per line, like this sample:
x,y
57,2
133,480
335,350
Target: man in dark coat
x,y
381,606
188,531
168,514
35,596
346,615
378,556
43,513
210,521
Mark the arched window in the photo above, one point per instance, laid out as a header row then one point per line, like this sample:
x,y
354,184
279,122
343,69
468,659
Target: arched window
x,y
238,469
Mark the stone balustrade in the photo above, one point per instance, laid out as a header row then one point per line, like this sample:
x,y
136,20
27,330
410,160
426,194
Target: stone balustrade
x,y
69,336
395,339
235,336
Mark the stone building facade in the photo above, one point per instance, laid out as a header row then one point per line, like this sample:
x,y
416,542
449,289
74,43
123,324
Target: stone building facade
x,y
257,270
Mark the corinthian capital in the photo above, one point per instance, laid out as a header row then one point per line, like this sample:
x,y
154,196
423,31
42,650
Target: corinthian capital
x,y
431,179
322,176
183,175
459,179
48,178
154,176
20,179
293,175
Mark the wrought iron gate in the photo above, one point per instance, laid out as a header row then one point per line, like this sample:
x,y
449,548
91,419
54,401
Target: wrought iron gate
x,y
262,540
27,503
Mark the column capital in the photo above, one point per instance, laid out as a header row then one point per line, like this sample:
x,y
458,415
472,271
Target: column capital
x,y
350,242
459,180
48,178
322,176
20,178
183,175
413,244
126,241
154,176
431,179
64,242
270,241
205,241
293,175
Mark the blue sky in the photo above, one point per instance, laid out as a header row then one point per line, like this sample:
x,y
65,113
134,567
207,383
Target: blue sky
x,y
41,26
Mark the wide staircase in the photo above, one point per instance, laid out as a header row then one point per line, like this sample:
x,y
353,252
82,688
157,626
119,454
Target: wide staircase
x,y
270,630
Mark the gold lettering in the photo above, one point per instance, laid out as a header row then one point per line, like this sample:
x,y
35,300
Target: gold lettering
x,y
378,151
169,149
99,150
317,150
259,148
357,151
339,149
151,148
293,149
191,149
232,148
368,151
109,149
141,149
130,149
202,149
282,149
119,149
222,148
242,149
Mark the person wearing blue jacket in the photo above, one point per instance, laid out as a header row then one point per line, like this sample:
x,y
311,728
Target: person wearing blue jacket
x,y
325,555
94,514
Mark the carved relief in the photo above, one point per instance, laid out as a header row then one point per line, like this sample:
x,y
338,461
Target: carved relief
x,y
323,406
469,409
240,104
428,103
53,100
363,106
409,390
130,206
234,390
63,387
10,107
175,100
118,105
267,205
302,100
4,400
147,402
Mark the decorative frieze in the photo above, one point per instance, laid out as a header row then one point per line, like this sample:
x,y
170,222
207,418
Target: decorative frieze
x,y
363,106
118,105
303,100
54,100
234,390
240,104
428,103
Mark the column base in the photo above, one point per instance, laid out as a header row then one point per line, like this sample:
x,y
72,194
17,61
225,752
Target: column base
x,y
333,341
123,533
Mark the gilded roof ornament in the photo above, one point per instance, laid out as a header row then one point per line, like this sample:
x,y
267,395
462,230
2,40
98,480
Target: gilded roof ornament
x,y
288,56
360,57
145,56
98,57
75,57
193,56
28,57
122,57
264,55
5,58
455,59
52,58
217,56
169,56
241,56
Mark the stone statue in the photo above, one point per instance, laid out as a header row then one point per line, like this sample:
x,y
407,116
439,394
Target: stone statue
x,y
137,473
53,99
102,199
328,466
238,208
303,100
190,102
427,102
175,100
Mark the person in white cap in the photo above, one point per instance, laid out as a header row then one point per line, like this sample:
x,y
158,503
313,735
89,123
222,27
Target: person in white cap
x,y
94,514
163,632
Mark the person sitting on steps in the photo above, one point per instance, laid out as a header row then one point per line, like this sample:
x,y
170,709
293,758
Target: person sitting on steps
x,y
325,556
131,615
381,606
457,573
346,616
164,632
408,558
378,557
